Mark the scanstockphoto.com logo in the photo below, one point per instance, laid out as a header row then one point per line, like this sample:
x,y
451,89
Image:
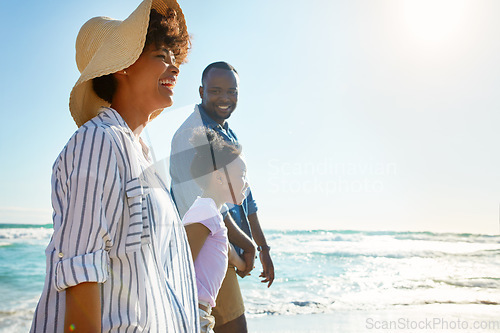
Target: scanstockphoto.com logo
x,y
328,177
431,324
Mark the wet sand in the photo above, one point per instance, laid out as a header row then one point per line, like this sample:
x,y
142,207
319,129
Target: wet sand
x,y
425,318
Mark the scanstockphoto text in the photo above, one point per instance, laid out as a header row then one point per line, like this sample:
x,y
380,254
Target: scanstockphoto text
x,y
328,177
431,323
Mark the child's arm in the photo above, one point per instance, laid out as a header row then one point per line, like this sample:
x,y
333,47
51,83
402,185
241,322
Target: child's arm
x,y
234,259
197,234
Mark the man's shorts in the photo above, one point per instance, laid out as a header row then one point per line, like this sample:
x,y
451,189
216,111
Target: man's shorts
x,y
229,303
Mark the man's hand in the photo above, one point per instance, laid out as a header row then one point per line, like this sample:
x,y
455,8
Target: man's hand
x,y
265,257
268,268
249,257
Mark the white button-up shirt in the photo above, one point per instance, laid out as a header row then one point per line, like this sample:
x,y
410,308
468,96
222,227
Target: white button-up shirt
x,y
115,224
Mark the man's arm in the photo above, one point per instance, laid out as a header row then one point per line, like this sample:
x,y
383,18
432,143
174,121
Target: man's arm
x,y
83,308
240,239
265,257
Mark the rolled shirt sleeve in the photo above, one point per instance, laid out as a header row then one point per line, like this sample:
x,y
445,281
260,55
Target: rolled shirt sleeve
x,y
87,200
90,267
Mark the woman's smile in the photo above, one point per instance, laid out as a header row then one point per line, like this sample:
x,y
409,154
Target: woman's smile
x,y
168,83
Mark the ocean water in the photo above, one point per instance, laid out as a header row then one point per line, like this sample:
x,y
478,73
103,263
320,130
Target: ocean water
x,y
331,271
317,272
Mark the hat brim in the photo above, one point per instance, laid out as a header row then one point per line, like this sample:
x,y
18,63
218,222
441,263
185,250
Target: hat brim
x,y
119,49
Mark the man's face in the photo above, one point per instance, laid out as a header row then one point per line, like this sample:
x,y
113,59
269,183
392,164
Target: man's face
x,y
219,93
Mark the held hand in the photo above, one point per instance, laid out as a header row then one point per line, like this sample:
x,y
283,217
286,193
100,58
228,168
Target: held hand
x,y
249,257
268,268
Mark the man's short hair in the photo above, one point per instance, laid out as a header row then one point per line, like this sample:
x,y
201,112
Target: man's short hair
x,y
218,64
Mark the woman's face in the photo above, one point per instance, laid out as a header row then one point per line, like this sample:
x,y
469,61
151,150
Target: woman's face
x,y
152,77
237,174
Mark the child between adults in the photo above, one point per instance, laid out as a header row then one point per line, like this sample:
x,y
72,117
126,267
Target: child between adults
x,y
220,171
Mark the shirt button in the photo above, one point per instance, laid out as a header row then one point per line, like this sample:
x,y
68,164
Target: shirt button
x,y
60,255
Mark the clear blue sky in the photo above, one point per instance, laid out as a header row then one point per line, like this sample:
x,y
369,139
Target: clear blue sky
x,y
374,114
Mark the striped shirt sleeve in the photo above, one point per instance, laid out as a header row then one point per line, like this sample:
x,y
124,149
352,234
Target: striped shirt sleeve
x,y
87,201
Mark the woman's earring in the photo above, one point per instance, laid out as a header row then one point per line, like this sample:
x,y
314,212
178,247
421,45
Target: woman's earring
x,y
125,72
220,180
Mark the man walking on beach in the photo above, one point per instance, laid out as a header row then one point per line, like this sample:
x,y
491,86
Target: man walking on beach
x,y
219,97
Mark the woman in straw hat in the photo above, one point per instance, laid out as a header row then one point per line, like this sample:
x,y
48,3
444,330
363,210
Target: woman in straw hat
x,y
119,259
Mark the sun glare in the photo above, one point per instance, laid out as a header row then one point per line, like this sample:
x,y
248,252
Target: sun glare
x,y
433,20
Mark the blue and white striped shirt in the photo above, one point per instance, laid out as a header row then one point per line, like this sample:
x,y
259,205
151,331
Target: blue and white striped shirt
x,y
115,224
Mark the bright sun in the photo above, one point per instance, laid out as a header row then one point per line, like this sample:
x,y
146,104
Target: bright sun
x,y
433,20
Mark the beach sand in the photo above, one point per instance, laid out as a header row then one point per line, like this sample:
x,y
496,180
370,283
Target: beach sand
x,y
435,316
426,318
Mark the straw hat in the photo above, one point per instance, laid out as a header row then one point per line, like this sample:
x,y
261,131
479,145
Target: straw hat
x,y
106,46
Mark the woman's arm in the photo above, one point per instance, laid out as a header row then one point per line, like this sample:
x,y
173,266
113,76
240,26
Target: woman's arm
x,y
83,308
234,259
197,233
